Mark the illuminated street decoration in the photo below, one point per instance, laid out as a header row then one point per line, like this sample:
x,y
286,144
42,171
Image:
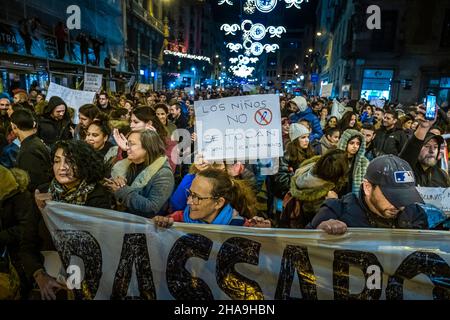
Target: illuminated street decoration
x,y
271,47
228,2
229,29
240,69
258,31
276,31
187,55
296,3
264,6
234,47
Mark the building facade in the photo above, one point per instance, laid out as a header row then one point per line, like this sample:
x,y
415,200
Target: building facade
x,y
402,61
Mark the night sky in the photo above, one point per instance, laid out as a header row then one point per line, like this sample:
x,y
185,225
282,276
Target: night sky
x,y
292,18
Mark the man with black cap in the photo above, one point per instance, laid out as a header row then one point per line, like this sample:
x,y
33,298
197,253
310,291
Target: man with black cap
x,y
387,199
423,151
55,123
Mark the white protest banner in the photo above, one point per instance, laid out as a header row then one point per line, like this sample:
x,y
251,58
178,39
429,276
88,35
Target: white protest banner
x,y
338,109
326,90
143,87
125,256
92,82
242,128
73,98
379,103
439,197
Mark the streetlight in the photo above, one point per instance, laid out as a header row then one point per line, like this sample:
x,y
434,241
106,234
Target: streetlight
x,y
310,50
217,56
319,34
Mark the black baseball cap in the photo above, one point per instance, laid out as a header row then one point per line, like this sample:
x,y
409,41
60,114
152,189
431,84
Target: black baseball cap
x,y
395,178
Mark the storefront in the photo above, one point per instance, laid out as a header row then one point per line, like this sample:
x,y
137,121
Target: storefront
x,y
377,84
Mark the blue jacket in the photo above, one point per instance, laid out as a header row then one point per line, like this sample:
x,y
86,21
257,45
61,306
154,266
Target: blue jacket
x,y
178,200
308,115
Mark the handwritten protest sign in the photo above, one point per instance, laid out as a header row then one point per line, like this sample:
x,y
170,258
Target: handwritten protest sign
x,y
439,197
143,87
92,82
240,128
73,98
327,90
125,257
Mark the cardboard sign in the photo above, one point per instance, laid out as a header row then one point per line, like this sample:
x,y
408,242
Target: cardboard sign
x,y
92,82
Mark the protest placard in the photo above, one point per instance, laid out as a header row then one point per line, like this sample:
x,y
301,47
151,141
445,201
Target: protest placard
x,y
240,128
125,257
92,82
439,197
144,87
73,98
326,90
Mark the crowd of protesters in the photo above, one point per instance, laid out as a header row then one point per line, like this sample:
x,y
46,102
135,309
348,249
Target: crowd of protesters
x,y
356,168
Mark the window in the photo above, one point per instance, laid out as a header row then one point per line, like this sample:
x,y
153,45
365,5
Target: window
x,y
376,84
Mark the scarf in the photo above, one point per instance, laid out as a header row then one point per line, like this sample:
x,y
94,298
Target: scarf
x,y
75,195
120,169
223,218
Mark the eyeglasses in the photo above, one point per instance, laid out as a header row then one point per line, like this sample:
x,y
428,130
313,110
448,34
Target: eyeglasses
x,y
195,198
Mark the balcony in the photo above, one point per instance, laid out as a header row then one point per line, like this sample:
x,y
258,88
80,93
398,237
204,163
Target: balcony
x,y
141,12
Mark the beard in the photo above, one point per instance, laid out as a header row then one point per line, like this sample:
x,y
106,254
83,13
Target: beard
x,y
428,160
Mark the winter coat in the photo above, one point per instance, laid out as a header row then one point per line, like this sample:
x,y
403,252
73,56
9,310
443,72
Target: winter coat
x,y
322,146
16,212
34,158
178,200
353,211
51,130
389,141
360,162
148,194
433,176
308,115
310,190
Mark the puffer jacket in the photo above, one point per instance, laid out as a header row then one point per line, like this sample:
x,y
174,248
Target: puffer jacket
x,y
360,162
310,190
308,115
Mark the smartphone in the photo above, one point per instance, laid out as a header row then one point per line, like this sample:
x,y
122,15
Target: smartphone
x,y
430,111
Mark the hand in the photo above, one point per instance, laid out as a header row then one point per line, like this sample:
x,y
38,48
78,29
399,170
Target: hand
x,y
150,127
423,123
115,184
41,198
333,227
194,137
120,139
260,222
47,285
72,131
162,222
332,195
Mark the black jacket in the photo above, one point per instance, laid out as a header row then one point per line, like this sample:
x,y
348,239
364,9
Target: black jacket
x,y
353,211
51,130
432,177
37,238
389,141
34,158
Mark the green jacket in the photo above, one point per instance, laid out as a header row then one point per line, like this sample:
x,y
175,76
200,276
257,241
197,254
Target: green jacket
x,y
360,162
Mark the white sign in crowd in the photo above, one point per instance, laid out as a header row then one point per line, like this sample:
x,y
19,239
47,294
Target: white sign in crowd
x,y
73,98
240,128
124,256
92,82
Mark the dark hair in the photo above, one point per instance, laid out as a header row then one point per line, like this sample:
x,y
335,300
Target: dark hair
x,y
176,104
147,114
295,155
344,124
393,113
161,106
23,119
89,110
235,192
87,164
102,122
330,131
118,113
368,126
332,166
328,121
152,144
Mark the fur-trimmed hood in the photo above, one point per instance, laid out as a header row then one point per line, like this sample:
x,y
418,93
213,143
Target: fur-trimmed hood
x,y
307,187
12,181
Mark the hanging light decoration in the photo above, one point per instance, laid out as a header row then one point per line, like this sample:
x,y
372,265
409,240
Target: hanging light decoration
x,y
264,6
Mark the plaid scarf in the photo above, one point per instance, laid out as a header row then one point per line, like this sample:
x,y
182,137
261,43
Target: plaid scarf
x,y
75,195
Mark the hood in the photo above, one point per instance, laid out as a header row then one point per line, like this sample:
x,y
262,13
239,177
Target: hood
x,y
12,181
307,187
52,104
325,142
440,140
301,103
347,136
